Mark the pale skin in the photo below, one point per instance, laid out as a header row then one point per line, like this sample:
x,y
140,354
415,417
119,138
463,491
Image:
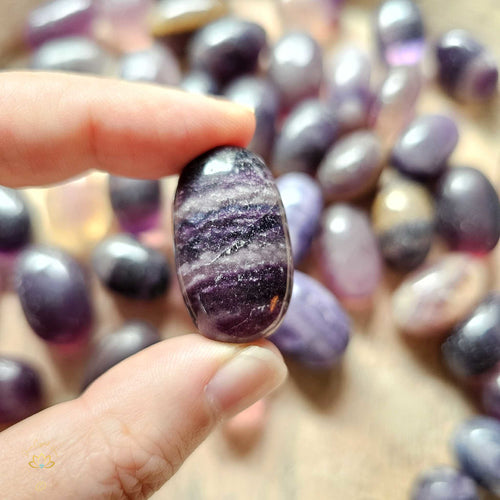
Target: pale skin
x,y
130,431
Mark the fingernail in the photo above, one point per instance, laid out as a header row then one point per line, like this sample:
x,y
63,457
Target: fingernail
x,y
249,376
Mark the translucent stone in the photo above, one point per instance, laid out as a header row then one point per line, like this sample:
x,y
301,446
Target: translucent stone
x,y
490,395
79,213
316,329
296,68
306,135
350,257
58,19
260,95
199,82
434,299
423,149
399,31
468,210
465,68
21,392
403,218
171,17
157,64
232,247
303,202
74,54
351,167
477,448
444,483
15,220
474,346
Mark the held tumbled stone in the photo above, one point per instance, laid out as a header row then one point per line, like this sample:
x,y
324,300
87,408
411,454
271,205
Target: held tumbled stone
x,y
232,247
403,219
437,297
468,210
131,269
444,483
15,220
474,346
54,295
490,395
316,329
477,447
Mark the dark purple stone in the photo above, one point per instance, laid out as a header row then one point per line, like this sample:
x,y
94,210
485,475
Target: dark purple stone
x,y
303,202
59,18
474,346
259,94
423,149
20,390
468,210
477,447
199,82
465,68
399,30
490,395
296,68
316,329
15,220
54,295
131,269
127,340
232,247
307,133
136,202
227,48
444,483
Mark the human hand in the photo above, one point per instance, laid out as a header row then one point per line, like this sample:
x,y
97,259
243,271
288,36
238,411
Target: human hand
x,y
133,427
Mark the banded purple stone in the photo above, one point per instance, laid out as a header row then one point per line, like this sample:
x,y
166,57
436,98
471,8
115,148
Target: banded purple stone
x,y
15,220
232,247
316,329
303,202
490,395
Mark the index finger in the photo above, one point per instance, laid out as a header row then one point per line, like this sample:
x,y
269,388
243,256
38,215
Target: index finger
x,y
54,126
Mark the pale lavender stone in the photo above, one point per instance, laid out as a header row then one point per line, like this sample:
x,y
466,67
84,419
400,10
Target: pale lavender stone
x,y
399,31
350,257
306,135
444,483
199,82
303,202
58,19
490,395
423,149
477,448
316,329
260,95
296,68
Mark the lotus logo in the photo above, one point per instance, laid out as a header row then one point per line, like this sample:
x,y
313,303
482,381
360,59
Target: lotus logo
x,y
41,462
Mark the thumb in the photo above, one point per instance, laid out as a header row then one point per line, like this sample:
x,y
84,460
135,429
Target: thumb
x,y
133,427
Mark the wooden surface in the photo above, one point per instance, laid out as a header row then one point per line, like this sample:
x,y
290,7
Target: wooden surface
x,y
361,432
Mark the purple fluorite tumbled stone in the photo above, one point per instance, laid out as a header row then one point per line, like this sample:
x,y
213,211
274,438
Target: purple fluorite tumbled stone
x,y
477,448
490,395
315,330
444,483
303,202
424,147
232,247
15,220
127,340
54,295
199,82
466,69
20,390
468,210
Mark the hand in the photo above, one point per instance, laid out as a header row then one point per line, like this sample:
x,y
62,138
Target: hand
x,y
133,427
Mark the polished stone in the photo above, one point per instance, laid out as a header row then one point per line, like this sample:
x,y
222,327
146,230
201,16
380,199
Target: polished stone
x,y
434,299
468,210
422,151
303,202
350,257
306,135
54,294
403,219
316,329
490,395
15,220
131,269
199,82
352,166
232,247
474,346
477,448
